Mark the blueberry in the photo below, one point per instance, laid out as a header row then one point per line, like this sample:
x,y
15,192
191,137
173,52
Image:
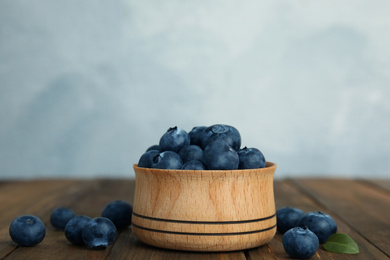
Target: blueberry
x,y
250,158
154,147
98,233
74,228
191,152
287,218
174,140
225,132
300,242
119,212
196,135
60,217
27,230
167,160
320,223
146,159
193,165
218,155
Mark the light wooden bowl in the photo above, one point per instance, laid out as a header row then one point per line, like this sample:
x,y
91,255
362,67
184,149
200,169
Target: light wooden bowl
x,y
204,210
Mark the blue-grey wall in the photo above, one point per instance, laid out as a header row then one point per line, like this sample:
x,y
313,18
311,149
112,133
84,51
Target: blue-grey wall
x,y
87,86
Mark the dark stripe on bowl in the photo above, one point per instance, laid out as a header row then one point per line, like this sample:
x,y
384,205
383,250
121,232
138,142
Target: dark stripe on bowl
x,y
204,222
205,234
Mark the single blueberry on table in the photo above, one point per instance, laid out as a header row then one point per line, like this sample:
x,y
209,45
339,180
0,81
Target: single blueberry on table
x,y
99,233
196,135
287,218
154,147
60,217
218,155
191,152
251,158
174,140
193,165
146,159
167,160
322,224
27,230
300,242
74,228
119,212
225,132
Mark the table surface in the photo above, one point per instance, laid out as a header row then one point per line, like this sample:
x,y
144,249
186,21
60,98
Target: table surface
x,y
359,207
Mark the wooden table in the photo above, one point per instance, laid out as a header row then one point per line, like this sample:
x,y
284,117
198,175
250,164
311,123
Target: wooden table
x,y
361,209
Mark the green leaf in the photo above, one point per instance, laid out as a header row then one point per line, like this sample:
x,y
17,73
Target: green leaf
x,y
341,243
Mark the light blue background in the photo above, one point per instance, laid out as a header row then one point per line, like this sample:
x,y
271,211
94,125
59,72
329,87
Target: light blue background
x,y
87,86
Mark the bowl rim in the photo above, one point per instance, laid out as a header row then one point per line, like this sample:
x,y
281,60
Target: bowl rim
x,y
268,166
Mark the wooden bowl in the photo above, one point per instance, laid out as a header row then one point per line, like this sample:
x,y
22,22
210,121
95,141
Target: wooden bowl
x,y
204,210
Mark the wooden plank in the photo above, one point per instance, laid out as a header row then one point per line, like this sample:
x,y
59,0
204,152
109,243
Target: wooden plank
x,y
89,197
382,184
128,247
362,207
21,198
17,198
55,195
285,195
288,194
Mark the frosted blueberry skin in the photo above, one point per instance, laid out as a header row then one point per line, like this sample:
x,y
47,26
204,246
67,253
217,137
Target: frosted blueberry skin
x,y
218,155
119,212
196,135
27,230
74,228
174,140
322,224
146,159
287,218
300,242
194,165
191,152
99,233
251,158
167,160
224,132
154,147
60,217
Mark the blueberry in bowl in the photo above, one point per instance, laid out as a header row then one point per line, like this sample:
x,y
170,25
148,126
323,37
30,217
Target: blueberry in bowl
x,y
191,152
194,165
250,158
207,190
146,159
167,160
174,140
219,155
224,132
196,135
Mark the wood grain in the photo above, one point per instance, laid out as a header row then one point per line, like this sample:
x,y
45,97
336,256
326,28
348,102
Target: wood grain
x,y
204,210
359,207
357,204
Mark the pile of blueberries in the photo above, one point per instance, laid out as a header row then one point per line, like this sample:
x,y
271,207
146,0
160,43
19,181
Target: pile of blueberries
x,y
80,230
303,232
216,147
